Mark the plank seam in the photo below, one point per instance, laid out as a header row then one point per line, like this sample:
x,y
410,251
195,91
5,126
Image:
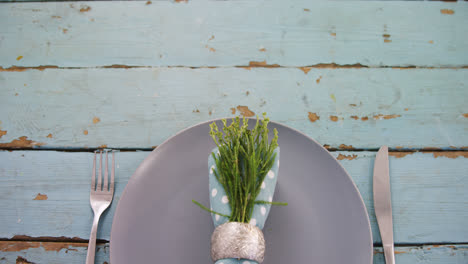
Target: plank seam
x,y
306,68
103,241
395,150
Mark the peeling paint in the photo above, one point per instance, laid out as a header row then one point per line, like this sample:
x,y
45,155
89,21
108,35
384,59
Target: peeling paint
x,y
19,58
65,30
451,154
333,34
149,3
343,146
431,42
262,50
318,80
180,1
348,157
56,17
7,246
49,136
196,111
364,118
313,117
355,117
48,239
21,142
306,9
21,260
212,37
447,11
233,110
96,120
399,155
210,48
305,69
386,116
262,64
85,132
85,9
406,109
21,68
2,133
316,66
326,146
334,66
16,246
41,197
334,118
117,66
245,111
387,40
386,35
103,146
247,93
353,105
465,115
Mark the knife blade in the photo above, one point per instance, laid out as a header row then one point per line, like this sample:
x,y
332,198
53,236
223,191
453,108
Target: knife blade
x,y
383,203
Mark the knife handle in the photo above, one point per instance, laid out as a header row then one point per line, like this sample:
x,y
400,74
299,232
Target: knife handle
x,y
389,253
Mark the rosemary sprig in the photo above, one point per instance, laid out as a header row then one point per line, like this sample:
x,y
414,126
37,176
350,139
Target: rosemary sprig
x,y
245,157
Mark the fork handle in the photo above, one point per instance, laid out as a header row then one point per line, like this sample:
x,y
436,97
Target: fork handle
x,y
92,240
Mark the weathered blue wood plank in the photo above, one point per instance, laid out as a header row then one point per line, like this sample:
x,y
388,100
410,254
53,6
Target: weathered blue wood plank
x,y
58,253
429,194
140,108
227,33
50,252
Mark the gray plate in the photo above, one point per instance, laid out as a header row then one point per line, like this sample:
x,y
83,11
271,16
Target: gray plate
x,y
156,222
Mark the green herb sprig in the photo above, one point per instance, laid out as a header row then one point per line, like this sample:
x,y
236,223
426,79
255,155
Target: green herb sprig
x,y
245,157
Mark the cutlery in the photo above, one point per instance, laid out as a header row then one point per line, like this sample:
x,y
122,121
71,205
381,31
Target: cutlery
x,y
100,198
383,203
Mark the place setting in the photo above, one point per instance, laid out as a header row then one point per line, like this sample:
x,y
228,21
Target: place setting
x,y
240,191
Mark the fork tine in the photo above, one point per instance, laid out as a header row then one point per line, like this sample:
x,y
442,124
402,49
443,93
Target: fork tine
x,y
106,174
99,185
93,179
112,173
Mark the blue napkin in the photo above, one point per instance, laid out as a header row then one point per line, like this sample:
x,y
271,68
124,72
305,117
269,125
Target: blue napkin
x,y
219,201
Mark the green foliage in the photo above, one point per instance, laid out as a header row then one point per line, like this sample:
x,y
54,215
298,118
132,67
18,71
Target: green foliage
x,y
245,157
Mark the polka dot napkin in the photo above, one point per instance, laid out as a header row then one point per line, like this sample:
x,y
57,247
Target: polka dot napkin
x,y
220,203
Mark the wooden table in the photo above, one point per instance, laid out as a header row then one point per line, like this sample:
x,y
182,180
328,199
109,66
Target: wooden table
x,y
76,76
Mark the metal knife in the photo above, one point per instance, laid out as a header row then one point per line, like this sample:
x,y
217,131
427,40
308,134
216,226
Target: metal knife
x,y
383,203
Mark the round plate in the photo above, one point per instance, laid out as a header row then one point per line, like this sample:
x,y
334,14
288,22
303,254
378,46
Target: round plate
x,y
156,222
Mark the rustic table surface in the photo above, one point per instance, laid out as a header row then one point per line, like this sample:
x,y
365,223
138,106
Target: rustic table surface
x,y
76,76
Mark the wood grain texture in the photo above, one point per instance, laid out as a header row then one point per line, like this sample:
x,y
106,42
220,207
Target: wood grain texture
x,y
58,253
140,108
228,33
429,194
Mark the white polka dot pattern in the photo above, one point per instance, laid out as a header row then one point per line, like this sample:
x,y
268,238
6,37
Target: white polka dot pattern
x,y
271,174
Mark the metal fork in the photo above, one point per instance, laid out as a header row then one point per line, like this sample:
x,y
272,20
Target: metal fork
x,y
100,198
